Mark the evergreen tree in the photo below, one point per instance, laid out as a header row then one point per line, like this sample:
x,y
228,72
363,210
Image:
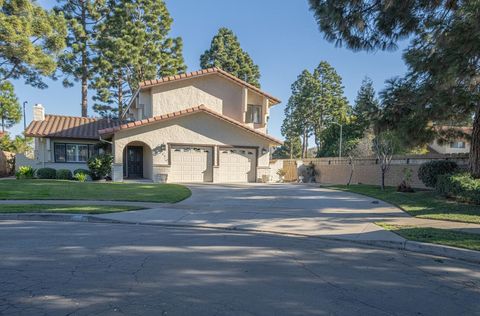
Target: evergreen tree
x,y
330,104
225,53
10,111
299,110
366,106
442,82
76,62
30,38
291,149
132,46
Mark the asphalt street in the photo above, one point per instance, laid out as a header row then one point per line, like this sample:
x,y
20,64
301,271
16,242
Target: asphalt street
x,y
62,268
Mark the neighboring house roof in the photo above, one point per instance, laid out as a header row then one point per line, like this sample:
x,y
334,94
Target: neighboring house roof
x,y
203,72
1,134
197,109
445,128
69,127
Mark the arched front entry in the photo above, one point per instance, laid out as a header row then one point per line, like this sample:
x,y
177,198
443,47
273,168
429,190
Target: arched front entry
x,y
137,161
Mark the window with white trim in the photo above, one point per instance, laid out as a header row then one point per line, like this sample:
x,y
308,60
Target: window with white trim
x,y
457,145
64,152
254,114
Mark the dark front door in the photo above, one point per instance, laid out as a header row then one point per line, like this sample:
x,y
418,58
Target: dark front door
x,y
134,162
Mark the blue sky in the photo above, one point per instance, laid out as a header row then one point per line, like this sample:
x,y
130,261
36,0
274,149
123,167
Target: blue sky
x,y
281,37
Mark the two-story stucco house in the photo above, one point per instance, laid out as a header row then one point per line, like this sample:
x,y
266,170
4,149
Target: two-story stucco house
x,y
204,126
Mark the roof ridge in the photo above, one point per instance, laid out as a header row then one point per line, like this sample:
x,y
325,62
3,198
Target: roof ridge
x,y
211,70
79,117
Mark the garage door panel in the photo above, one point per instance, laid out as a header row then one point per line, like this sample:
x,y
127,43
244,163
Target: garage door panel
x,y
237,165
191,164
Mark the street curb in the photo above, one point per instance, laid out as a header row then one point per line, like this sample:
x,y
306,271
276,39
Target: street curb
x,y
467,255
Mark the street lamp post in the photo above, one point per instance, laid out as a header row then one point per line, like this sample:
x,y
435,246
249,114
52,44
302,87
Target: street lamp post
x,y
341,136
24,117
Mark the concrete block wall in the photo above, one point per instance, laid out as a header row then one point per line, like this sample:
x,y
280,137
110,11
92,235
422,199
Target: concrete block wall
x,y
367,170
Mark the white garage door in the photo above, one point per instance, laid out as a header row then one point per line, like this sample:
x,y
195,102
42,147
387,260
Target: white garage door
x,y
237,164
191,164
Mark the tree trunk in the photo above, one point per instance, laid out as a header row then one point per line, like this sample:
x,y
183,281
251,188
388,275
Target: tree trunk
x,y
304,144
84,64
352,170
383,179
475,146
120,97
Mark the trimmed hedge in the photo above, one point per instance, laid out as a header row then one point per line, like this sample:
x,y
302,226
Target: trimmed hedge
x,y
64,174
461,186
46,173
429,171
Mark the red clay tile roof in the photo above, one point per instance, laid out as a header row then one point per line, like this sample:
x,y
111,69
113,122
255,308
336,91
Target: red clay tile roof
x,y
203,72
68,127
197,109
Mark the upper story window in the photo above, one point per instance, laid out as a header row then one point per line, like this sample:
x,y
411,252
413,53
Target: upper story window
x,y
254,114
457,145
75,152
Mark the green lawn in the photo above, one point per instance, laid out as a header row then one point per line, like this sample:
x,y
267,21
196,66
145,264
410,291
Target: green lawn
x,y
41,208
109,191
436,236
424,204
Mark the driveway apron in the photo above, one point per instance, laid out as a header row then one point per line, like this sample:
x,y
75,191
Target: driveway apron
x,y
279,208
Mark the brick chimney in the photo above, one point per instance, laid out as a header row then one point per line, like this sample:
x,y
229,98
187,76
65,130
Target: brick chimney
x,y
38,112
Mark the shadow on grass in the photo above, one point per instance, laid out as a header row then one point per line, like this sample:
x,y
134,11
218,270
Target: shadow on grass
x,y
424,204
436,236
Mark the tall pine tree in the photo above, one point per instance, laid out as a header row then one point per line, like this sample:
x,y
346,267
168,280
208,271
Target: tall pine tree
x,y
330,104
225,53
30,39
76,62
366,106
133,46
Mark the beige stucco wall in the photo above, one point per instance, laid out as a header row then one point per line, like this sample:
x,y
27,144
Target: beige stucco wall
x,y
44,155
196,129
214,91
220,95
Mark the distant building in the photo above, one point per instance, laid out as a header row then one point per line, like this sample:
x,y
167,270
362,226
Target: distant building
x,y
456,144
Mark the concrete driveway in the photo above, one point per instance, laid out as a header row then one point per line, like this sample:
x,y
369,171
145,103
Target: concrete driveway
x,y
280,208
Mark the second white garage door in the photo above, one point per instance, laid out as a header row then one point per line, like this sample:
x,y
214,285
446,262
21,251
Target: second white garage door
x,y
237,165
191,164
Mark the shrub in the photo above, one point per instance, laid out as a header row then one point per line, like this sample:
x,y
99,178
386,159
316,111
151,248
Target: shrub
x,y
461,186
429,171
46,173
80,176
25,172
64,174
405,185
80,170
100,166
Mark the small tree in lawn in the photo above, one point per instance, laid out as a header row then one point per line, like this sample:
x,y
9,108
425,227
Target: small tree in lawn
x,y
385,145
357,148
